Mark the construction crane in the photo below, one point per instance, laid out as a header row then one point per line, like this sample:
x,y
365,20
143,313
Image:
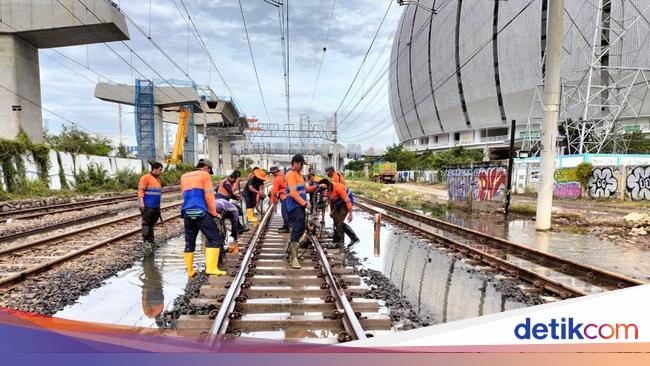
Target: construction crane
x,y
181,136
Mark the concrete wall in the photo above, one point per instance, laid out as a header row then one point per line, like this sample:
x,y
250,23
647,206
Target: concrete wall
x,y
480,186
613,176
425,176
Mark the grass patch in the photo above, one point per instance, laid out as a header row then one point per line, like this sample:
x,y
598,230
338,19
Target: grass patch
x,y
526,210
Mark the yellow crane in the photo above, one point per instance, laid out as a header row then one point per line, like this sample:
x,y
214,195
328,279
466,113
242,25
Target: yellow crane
x,y
181,135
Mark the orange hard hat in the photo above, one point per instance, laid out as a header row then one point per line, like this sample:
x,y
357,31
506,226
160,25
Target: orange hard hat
x,y
259,173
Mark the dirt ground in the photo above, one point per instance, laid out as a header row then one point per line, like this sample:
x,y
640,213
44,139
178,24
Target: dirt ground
x,y
438,193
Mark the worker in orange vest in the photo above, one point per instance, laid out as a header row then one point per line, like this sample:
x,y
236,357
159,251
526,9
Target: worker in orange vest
x,y
226,187
149,194
278,192
340,201
297,204
335,176
199,212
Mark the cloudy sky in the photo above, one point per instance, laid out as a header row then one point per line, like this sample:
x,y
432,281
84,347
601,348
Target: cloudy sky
x,y
68,86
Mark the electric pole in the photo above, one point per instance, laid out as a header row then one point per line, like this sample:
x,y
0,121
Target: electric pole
x,y
551,110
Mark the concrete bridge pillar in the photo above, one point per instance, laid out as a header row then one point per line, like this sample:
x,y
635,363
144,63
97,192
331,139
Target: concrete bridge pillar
x,y
28,26
220,154
159,134
20,96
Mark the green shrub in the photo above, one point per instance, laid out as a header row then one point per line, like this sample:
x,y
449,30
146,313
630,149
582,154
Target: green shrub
x,y
171,176
127,179
583,172
33,188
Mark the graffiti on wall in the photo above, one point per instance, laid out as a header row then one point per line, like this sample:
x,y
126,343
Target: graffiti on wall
x,y
483,183
489,183
602,183
566,183
638,183
459,183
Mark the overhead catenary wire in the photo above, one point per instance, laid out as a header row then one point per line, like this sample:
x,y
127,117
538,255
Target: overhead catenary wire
x,y
469,59
40,106
381,23
250,49
209,54
320,64
114,51
390,63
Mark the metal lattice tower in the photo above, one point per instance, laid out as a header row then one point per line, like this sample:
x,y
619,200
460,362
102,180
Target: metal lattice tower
x,y
144,119
612,83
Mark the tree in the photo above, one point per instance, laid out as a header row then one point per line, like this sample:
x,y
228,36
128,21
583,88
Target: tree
x,y
75,141
409,160
405,159
355,165
244,163
637,142
121,151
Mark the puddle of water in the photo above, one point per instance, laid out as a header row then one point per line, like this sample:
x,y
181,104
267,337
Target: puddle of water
x,y
584,248
435,283
136,295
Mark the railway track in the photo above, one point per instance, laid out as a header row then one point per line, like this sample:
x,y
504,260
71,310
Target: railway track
x,y
59,225
560,276
263,297
18,261
35,212
21,259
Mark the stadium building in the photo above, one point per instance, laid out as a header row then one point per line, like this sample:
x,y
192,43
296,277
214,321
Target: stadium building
x,y
462,70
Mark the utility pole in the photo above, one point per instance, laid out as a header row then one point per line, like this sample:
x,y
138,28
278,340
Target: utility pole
x,y
205,135
119,121
551,110
511,157
336,144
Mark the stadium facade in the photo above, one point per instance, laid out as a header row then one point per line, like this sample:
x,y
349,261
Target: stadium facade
x,y
459,76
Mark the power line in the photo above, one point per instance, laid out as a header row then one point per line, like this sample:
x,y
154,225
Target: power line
x,y
207,51
40,106
474,54
250,49
374,38
113,50
320,65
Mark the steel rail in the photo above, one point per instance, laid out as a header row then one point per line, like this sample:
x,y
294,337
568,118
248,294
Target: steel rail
x,y
43,266
536,279
66,207
66,234
38,230
567,266
350,321
221,321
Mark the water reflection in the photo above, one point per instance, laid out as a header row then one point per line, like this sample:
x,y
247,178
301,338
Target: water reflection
x,y
438,285
136,295
587,248
153,298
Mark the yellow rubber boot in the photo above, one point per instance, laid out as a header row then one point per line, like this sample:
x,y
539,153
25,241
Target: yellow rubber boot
x,y
250,213
211,262
189,264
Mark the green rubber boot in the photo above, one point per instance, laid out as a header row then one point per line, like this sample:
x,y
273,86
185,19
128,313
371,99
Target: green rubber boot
x,y
293,255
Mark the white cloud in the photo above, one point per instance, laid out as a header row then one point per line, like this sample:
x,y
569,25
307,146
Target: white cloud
x,y
219,22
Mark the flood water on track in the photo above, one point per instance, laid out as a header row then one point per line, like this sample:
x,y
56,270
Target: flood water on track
x,y
620,257
436,284
136,295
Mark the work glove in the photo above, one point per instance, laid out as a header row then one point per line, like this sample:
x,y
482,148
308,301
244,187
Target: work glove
x,y
221,227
